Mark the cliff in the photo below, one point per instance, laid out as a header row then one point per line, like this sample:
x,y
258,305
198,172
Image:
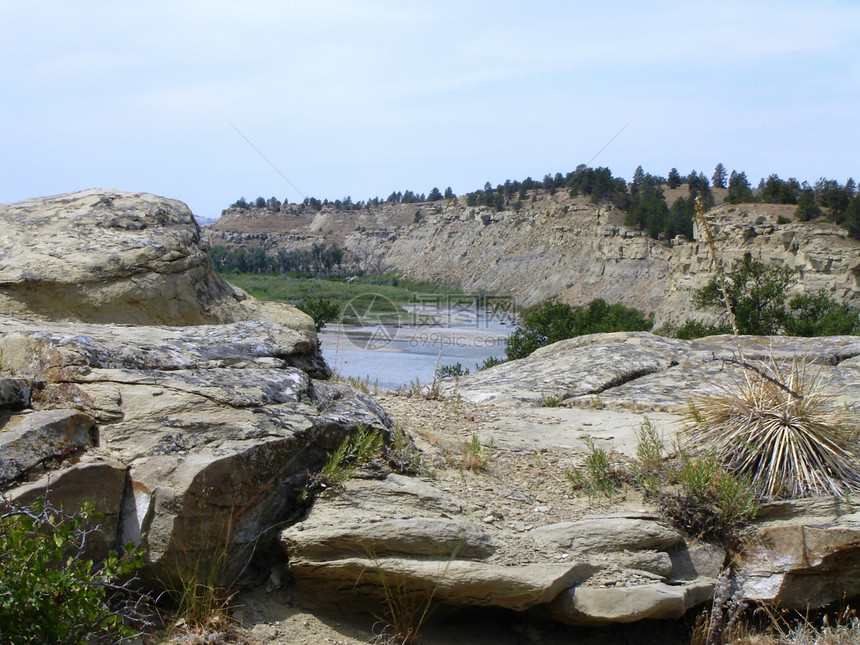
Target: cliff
x,y
560,246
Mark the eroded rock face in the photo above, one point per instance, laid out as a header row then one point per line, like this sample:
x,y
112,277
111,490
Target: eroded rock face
x,y
404,530
804,554
215,429
560,246
115,257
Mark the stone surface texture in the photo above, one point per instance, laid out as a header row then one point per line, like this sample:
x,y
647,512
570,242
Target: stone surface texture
x,y
115,257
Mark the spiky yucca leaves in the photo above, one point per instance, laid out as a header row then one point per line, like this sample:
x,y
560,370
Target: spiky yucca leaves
x,y
776,426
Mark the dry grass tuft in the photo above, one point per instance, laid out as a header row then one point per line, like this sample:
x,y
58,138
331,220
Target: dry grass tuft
x,y
777,427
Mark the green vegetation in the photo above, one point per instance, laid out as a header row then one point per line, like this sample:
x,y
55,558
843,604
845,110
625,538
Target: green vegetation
x,y
759,299
317,260
352,453
474,455
50,592
597,477
551,321
366,299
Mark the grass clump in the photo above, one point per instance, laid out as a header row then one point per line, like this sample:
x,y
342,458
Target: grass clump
x,y
551,400
776,427
474,455
407,606
349,456
709,502
597,477
648,469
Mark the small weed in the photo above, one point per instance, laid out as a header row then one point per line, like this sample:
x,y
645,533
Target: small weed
x,y
650,448
597,477
347,458
596,402
430,392
406,608
551,400
712,503
475,457
403,455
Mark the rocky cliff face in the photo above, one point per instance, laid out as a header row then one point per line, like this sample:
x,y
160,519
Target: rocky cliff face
x,y
560,246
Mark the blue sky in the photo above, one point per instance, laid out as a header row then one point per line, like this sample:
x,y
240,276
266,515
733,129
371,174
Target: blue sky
x,y
362,97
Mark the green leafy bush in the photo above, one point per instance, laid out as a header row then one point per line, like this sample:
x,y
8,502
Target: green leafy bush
x,y
759,298
322,310
51,593
551,321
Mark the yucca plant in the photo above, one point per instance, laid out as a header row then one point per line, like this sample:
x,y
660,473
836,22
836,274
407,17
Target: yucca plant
x,y
776,426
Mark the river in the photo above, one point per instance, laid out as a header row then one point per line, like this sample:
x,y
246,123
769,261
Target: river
x,y
396,354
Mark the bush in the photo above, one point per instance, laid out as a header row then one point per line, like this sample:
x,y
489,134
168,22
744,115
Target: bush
x,y
776,427
758,295
695,329
322,310
551,321
49,592
451,371
820,315
712,502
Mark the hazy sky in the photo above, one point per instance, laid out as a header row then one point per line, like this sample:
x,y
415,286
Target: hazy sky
x,y
362,97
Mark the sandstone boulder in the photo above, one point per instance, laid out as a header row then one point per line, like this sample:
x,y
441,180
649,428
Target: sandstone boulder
x,y
400,531
110,256
215,426
90,479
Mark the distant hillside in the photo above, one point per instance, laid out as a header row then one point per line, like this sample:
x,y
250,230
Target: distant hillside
x,y
546,243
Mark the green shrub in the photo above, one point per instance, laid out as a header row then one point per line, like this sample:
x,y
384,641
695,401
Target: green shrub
x,y
322,310
711,503
452,371
551,321
492,361
759,298
49,592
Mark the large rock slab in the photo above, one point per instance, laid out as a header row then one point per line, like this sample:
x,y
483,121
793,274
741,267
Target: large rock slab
x,y
804,554
110,256
642,372
215,426
403,532
28,440
601,605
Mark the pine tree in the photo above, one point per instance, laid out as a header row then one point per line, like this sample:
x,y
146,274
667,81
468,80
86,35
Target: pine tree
x,y
719,178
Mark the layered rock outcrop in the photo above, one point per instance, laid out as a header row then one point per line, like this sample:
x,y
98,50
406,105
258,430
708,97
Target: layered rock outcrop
x,y
590,569
187,437
558,246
